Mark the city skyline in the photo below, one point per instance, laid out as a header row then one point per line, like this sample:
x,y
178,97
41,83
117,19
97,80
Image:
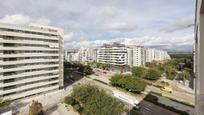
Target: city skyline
x,y
162,24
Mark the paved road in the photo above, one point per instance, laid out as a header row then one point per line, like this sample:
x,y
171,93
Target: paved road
x,y
176,105
190,98
148,108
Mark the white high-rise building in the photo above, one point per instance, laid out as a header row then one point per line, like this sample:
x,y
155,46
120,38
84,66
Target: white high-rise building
x,y
31,60
132,55
160,55
136,56
71,56
149,55
115,54
92,55
83,55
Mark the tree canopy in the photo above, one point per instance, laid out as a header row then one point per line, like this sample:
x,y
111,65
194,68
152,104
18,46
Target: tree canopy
x,y
77,66
139,71
90,100
129,83
153,74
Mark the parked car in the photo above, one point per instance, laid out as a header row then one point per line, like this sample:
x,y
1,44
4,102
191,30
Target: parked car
x,y
167,89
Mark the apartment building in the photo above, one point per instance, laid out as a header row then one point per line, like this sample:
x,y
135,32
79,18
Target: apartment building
x,y
31,60
131,55
83,55
136,56
92,55
115,54
199,57
71,56
149,55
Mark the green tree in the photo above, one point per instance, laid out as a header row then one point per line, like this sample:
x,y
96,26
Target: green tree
x,y
151,64
184,75
139,71
94,101
170,72
153,74
86,70
129,83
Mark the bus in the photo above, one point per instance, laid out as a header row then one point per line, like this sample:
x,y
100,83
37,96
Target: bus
x,y
126,99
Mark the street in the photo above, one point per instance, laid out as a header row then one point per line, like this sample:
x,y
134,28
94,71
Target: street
x,y
148,108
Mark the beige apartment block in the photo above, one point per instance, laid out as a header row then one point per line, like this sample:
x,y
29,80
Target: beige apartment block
x,y
31,60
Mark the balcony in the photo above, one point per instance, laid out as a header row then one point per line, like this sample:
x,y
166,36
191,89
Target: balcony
x,y
27,55
29,67
27,48
28,61
29,86
27,42
31,92
26,35
25,74
28,80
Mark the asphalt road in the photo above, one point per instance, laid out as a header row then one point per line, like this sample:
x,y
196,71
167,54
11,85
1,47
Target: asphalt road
x,y
190,98
148,108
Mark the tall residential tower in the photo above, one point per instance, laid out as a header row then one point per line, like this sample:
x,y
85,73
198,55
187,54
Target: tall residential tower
x,y
31,60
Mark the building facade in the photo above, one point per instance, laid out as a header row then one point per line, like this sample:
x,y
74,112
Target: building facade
x,y
149,55
115,54
71,56
31,60
131,55
136,56
199,57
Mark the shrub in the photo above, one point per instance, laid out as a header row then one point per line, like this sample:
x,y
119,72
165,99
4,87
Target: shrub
x,y
69,100
78,108
35,108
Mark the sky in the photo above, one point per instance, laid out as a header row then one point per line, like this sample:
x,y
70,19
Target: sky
x,y
162,24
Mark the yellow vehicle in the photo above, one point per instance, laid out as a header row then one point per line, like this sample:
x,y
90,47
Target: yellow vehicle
x,y
167,89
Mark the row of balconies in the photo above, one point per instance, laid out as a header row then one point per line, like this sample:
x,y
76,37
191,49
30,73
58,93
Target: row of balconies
x,y
34,79
26,61
26,35
31,92
27,74
24,29
29,86
27,55
28,42
28,48
28,67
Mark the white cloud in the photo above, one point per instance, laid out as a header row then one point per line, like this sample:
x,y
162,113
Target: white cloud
x,y
21,19
184,23
121,27
68,37
169,43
